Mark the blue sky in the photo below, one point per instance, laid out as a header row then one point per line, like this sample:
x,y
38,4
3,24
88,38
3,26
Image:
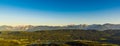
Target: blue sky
x,y
59,12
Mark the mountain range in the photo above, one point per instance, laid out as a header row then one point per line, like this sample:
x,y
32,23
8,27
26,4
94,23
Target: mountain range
x,y
100,27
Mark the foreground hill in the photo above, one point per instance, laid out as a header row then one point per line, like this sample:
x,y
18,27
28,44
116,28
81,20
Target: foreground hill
x,y
61,36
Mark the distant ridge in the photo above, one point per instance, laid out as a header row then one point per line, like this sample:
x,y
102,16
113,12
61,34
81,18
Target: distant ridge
x,y
100,27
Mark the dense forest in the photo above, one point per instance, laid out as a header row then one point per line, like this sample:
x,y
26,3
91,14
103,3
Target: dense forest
x,y
62,37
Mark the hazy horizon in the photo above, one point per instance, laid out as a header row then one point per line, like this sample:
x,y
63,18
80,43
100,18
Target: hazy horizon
x,y
57,25
59,12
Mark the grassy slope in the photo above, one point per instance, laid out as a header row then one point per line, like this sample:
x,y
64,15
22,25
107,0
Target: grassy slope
x,y
57,36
